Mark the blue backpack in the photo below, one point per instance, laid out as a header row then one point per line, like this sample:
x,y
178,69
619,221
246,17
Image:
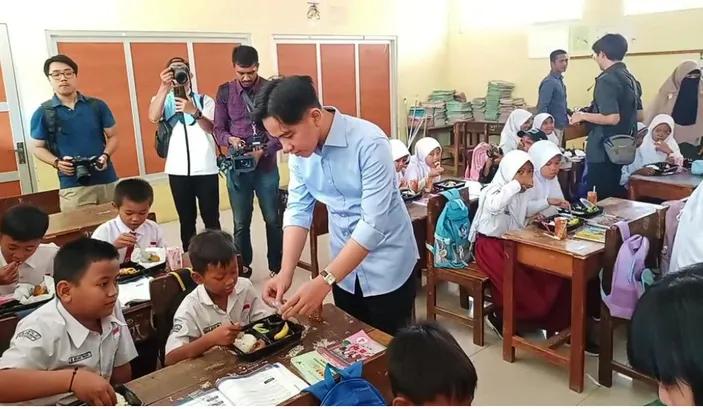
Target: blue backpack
x,y
452,248
350,390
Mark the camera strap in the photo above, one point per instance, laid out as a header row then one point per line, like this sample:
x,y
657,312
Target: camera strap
x,y
247,101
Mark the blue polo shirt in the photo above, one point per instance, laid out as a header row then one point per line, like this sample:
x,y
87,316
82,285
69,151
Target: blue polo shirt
x,y
80,134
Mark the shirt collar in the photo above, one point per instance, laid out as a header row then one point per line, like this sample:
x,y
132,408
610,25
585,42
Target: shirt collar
x,y
205,299
56,102
77,331
557,75
124,229
337,136
238,88
616,66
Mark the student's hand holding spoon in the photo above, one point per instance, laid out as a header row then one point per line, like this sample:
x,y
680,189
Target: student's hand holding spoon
x,y
225,334
125,240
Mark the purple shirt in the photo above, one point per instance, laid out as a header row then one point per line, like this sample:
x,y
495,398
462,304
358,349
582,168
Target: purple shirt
x,y
232,119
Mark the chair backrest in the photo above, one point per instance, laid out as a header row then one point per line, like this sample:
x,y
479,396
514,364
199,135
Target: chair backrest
x,y
651,227
7,331
48,201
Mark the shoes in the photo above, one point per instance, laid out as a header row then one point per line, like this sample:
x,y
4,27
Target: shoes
x,y
495,322
591,349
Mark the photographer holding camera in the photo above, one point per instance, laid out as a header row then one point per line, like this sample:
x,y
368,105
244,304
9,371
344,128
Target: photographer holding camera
x,y
253,152
75,134
191,152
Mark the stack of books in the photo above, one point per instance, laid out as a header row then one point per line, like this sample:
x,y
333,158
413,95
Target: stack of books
x,y
478,108
459,111
436,112
497,91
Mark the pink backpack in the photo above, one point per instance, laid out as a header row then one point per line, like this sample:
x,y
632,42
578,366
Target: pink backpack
x,y
672,225
627,286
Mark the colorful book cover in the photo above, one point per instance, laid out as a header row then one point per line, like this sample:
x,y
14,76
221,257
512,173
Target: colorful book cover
x,y
311,366
591,233
358,347
604,221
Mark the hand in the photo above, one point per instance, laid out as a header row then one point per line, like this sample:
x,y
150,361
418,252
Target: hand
x,y
186,106
93,389
645,171
414,185
525,181
257,154
65,166
663,147
559,203
235,141
436,171
9,274
125,240
101,163
307,299
403,183
167,78
577,117
224,335
275,288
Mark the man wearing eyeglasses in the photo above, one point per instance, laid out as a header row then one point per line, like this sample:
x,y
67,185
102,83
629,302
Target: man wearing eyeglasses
x,y
74,133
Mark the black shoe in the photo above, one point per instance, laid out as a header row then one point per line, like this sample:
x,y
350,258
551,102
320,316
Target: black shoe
x,y
495,322
591,349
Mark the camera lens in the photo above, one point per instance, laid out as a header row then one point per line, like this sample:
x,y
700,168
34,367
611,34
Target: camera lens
x,y
82,174
181,75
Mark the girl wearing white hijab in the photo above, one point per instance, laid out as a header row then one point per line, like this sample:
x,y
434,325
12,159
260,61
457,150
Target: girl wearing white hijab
x,y
503,207
546,195
400,154
424,164
519,120
545,123
658,145
688,246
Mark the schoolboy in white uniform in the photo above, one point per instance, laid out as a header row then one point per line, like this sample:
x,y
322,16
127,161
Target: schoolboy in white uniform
x,y
78,343
221,304
131,229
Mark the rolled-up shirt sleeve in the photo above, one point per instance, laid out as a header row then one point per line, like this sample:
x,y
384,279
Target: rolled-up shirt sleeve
x,y
301,204
377,187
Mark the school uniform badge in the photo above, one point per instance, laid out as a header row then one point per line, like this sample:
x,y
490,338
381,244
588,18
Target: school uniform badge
x,y
81,357
30,334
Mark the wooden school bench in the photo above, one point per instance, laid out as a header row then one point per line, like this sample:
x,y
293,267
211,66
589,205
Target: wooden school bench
x,y
171,385
576,260
670,187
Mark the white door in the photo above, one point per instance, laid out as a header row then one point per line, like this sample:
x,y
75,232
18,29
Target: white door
x,y
15,162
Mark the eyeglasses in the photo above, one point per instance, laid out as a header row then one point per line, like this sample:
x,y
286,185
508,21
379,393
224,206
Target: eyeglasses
x,y
66,74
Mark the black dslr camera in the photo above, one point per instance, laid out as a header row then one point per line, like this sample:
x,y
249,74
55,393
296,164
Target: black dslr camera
x,y
181,74
84,168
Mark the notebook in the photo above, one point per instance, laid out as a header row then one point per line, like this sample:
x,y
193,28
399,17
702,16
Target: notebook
x,y
358,347
591,233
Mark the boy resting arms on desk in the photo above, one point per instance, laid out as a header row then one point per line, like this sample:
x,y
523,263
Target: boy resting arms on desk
x,y
219,306
76,343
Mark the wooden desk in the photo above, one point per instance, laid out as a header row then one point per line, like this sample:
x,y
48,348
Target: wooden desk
x,y
68,226
671,187
576,260
169,386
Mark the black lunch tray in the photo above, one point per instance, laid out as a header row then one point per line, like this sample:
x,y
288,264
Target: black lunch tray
x,y
141,271
294,335
408,195
13,307
446,184
663,168
549,219
579,210
129,396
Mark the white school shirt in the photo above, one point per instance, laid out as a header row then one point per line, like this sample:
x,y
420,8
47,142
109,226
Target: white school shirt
x,y
33,270
148,234
198,314
51,339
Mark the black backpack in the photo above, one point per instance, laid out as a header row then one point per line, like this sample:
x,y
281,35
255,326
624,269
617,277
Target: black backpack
x,y
164,130
54,127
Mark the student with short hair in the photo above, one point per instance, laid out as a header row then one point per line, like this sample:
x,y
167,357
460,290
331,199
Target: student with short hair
x,y
23,257
666,334
133,199
77,343
222,303
427,367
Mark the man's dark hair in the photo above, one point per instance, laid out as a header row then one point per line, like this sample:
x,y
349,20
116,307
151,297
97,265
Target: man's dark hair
x,y
614,46
666,333
287,99
245,56
555,54
73,260
211,248
62,59
178,60
135,189
425,362
24,222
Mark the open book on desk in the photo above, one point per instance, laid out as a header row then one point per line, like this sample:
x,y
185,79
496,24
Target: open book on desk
x,y
270,385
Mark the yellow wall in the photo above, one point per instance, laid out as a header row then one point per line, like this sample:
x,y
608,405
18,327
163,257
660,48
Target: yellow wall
x,y
419,25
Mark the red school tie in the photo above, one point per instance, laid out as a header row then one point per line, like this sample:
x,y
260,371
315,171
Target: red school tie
x,y
130,249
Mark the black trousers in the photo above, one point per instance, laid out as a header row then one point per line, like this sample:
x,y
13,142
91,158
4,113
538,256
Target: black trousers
x,y
605,177
388,312
185,191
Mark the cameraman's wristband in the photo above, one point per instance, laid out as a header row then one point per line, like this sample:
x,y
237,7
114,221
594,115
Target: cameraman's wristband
x,y
56,163
107,156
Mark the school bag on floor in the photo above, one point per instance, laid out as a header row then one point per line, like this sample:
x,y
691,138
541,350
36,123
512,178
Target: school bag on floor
x,y
672,225
452,248
350,390
627,286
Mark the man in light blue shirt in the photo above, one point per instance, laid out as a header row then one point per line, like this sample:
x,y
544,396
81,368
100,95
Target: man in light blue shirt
x,y
345,163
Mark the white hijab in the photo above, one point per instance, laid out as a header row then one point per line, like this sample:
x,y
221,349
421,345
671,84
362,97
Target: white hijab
x,y
688,246
494,219
541,153
537,124
398,150
508,137
648,151
418,169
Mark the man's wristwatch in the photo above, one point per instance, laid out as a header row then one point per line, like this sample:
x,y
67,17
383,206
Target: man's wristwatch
x,y
198,114
328,277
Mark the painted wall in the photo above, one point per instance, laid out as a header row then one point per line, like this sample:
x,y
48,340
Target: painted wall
x,y
419,25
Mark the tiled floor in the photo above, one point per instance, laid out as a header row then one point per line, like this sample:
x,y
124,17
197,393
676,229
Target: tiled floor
x,y
527,381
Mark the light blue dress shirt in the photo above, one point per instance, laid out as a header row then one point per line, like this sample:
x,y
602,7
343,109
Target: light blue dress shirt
x,y
354,175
